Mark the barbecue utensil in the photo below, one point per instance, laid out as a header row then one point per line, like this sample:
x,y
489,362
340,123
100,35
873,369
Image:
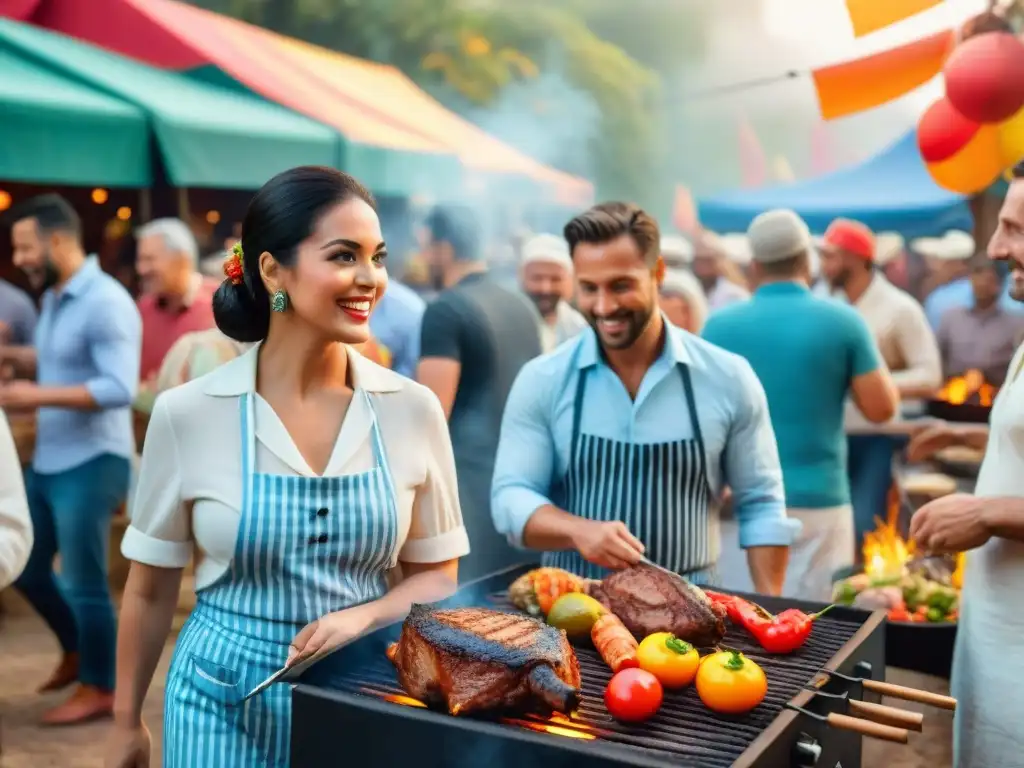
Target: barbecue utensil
x,y
661,568
856,725
878,713
898,691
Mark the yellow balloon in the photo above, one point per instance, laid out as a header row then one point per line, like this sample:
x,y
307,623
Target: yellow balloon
x,y
973,168
1011,139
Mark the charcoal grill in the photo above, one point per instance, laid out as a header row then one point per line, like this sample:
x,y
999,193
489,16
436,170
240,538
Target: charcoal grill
x,y
357,695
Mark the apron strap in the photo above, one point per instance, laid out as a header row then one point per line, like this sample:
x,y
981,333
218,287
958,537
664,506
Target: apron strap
x,y
247,405
577,411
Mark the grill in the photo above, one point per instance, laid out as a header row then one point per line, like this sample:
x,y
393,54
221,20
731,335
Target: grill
x,y
358,693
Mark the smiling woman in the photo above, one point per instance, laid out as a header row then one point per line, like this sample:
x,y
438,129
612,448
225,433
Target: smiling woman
x,y
301,475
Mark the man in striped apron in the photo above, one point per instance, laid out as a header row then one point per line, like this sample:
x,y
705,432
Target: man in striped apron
x,y
617,444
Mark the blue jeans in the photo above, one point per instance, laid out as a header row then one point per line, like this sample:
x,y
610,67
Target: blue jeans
x,y
869,465
71,513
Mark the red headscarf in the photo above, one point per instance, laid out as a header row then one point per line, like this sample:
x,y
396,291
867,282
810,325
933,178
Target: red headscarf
x,y
852,237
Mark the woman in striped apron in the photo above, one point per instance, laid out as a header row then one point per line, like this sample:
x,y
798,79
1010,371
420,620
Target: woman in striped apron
x,y
660,491
291,561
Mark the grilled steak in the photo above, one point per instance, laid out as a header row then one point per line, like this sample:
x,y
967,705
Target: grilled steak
x,y
477,660
649,600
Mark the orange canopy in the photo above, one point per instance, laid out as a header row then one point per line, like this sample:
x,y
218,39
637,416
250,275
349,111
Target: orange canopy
x,y
370,104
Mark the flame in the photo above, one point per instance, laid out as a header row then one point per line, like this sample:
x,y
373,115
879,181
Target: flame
x,y
557,724
885,551
972,385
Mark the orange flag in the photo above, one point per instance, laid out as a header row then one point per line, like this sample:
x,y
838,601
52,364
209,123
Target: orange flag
x,y
853,86
869,16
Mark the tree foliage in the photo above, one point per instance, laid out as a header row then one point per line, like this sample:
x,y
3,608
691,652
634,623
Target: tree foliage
x,y
472,52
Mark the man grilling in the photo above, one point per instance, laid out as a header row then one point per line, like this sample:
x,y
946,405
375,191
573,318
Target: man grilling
x,y
988,663
616,445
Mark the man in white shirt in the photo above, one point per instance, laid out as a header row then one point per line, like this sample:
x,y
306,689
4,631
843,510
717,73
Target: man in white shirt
x,y
546,277
15,523
908,348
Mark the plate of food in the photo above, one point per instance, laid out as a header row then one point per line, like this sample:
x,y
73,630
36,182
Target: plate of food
x,y
926,592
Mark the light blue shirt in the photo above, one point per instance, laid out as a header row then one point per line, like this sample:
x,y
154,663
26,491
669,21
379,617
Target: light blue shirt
x,y
88,334
395,323
536,431
959,295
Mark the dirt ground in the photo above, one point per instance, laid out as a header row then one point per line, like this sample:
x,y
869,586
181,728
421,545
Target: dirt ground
x,y
28,652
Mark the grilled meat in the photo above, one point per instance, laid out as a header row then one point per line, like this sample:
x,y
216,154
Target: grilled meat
x,y
476,660
649,600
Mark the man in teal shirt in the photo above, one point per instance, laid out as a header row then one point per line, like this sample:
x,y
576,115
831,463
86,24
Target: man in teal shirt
x,y
810,354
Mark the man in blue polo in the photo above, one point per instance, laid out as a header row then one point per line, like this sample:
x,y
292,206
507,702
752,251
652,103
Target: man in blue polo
x,y
85,366
809,353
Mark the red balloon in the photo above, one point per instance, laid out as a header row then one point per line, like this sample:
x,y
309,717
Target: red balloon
x,y
942,132
985,77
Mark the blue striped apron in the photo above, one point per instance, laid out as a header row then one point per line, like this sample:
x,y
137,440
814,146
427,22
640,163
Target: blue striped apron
x,y
306,546
659,490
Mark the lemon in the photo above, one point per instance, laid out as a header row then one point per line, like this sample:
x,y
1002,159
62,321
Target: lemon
x,y
575,613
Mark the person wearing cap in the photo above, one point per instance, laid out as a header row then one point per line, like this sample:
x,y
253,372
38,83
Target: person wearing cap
x,y
682,300
617,445
983,336
677,252
709,264
890,257
546,277
810,353
908,348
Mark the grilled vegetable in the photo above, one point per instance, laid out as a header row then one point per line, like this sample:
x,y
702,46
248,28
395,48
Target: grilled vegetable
x,y
633,695
575,613
537,590
730,683
615,643
671,660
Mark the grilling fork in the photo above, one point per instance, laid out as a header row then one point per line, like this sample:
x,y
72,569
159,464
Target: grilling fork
x,y
877,713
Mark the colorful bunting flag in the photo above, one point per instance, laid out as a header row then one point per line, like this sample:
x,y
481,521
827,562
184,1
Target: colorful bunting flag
x,y
869,16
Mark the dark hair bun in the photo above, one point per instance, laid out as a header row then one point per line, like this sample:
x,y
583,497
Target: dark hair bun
x,y
238,315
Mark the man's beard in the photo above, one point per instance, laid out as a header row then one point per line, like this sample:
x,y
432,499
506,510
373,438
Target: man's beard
x,y
44,277
1016,279
546,303
436,275
635,323
838,283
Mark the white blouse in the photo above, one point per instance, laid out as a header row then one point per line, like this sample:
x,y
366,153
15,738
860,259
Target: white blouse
x,y
189,493
15,522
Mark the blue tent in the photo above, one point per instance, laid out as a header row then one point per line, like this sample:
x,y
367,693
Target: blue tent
x,y
890,192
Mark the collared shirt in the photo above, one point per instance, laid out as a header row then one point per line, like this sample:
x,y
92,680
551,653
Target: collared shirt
x,y
395,323
724,293
163,323
18,313
959,293
904,338
982,339
806,350
189,495
90,334
568,322
533,453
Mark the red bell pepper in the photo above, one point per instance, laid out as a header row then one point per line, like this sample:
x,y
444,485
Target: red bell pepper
x,y
784,633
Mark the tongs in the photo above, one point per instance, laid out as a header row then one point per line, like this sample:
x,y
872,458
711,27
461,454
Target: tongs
x,y
877,713
856,725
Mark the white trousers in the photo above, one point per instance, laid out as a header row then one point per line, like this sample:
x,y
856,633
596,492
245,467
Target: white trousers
x,y
825,545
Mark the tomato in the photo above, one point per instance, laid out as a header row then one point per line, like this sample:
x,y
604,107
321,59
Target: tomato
x,y
671,660
730,683
633,695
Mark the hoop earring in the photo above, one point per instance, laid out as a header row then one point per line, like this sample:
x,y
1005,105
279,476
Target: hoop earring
x,y
279,301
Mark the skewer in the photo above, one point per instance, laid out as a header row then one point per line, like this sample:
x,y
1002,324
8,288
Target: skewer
x,y
856,725
899,691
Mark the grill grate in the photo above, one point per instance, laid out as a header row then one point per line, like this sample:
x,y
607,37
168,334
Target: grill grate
x,y
684,729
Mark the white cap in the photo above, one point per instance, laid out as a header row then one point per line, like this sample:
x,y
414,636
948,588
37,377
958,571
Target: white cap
x,y
680,282
676,249
550,249
737,248
888,245
777,235
929,247
959,245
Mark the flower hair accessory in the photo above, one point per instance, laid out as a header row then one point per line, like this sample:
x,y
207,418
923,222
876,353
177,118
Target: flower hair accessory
x,y
233,265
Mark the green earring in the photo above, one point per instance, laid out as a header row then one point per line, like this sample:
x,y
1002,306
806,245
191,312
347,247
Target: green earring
x,y
279,301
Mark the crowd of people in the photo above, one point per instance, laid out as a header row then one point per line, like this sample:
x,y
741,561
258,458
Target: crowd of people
x,y
324,448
